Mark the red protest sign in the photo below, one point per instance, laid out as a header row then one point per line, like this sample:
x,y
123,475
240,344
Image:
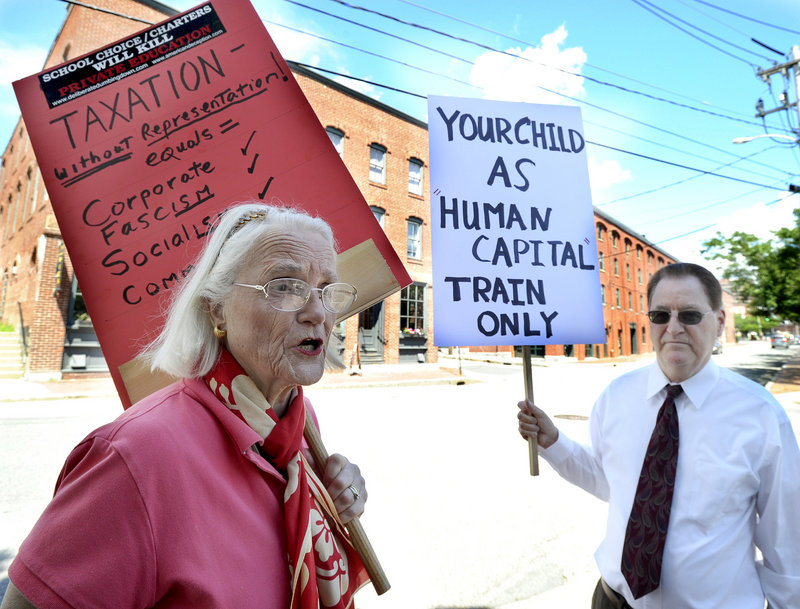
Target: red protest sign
x,y
144,142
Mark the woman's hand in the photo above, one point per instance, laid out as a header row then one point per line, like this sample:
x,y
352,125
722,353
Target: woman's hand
x,y
534,423
345,485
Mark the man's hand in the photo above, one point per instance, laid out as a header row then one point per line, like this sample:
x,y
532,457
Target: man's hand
x,y
534,423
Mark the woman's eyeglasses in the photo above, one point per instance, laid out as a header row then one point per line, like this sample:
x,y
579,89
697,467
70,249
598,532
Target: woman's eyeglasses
x,y
287,294
687,318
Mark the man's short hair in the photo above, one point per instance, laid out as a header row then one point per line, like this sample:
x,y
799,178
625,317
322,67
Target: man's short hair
x,y
706,278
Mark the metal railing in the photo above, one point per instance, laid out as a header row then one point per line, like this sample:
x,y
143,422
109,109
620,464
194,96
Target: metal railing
x,y
23,335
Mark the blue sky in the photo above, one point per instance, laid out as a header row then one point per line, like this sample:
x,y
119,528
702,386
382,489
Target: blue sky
x,y
663,87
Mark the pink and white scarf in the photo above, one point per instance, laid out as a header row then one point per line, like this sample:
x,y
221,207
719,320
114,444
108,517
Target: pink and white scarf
x,y
325,568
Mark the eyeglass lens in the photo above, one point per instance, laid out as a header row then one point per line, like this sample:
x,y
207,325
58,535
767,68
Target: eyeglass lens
x,y
688,318
293,294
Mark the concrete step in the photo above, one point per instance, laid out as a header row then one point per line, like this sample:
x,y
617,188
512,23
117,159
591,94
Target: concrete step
x,y
11,363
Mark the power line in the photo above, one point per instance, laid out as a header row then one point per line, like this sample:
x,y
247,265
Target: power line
x,y
108,11
735,14
679,182
655,12
679,165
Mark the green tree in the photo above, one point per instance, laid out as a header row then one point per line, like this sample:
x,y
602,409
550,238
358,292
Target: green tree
x,y
765,275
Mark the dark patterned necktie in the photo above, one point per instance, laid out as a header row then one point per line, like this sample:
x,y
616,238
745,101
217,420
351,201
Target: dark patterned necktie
x,y
647,525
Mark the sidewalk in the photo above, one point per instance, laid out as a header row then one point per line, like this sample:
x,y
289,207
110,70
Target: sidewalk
x,y
785,386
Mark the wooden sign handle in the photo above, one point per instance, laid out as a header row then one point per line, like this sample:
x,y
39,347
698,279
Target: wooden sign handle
x,y
533,444
354,528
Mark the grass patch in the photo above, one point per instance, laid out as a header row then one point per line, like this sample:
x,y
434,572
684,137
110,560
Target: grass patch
x,y
6,328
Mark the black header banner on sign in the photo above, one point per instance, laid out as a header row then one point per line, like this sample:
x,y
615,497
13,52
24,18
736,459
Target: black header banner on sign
x,y
130,56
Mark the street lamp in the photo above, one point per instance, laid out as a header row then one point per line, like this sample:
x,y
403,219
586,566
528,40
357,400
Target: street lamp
x,y
750,138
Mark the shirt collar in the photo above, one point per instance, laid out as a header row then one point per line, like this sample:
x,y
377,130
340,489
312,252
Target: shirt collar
x,y
697,388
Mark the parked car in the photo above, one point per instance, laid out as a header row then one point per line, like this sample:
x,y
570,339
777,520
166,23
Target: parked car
x,y
779,341
717,349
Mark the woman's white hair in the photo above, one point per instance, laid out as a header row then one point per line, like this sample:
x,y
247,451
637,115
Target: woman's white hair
x,y
186,346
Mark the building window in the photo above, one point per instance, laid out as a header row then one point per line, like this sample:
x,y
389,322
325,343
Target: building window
x,y
412,309
616,267
25,201
639,276
16,208
600,232
641,303
415,238
614,238
35,198
644,335
379,214
337,139
627,246
377,164
603,294
628,272
602,260
415,176
638,252
630,301
619,301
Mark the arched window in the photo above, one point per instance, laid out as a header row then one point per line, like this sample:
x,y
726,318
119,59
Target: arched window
x,y
415,238
377,164
337,139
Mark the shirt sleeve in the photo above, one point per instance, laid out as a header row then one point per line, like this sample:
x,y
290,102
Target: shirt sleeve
x,y
778,528
93,545
577,463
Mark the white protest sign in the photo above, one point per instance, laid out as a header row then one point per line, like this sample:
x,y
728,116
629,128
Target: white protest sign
x,y
514,250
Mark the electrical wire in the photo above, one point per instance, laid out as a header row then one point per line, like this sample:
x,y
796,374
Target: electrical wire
x,y
654,11
735,14
108,11
679,182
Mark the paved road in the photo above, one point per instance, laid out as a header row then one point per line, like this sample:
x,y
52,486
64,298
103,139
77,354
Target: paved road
x,y
453,514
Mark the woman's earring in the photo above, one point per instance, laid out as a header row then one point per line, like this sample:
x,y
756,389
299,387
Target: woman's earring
x,y
220,332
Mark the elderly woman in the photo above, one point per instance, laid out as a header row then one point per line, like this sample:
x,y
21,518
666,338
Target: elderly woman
x,y
197,495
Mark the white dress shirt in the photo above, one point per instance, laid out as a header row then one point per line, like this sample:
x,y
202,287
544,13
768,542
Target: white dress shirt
x,y
737,488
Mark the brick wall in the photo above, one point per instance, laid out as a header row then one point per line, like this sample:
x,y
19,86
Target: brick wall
x,y
29,236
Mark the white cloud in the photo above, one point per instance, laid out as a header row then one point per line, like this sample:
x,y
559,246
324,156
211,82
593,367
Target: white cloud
x,y
605,174
525,78
19,61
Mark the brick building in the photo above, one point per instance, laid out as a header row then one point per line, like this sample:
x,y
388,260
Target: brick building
x,y
39,294
386,152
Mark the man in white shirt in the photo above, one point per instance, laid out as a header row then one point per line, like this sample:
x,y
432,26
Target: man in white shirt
x,y
737,485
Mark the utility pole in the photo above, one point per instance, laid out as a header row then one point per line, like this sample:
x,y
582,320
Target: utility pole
x,y
783,68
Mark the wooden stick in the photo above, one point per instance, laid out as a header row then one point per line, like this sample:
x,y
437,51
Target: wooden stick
x,y
354,528
533,444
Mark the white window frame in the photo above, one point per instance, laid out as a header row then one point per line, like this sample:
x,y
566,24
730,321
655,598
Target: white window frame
x,y
415,176
377,164
415,239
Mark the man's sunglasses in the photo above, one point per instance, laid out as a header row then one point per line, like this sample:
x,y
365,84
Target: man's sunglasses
x,y
687,318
